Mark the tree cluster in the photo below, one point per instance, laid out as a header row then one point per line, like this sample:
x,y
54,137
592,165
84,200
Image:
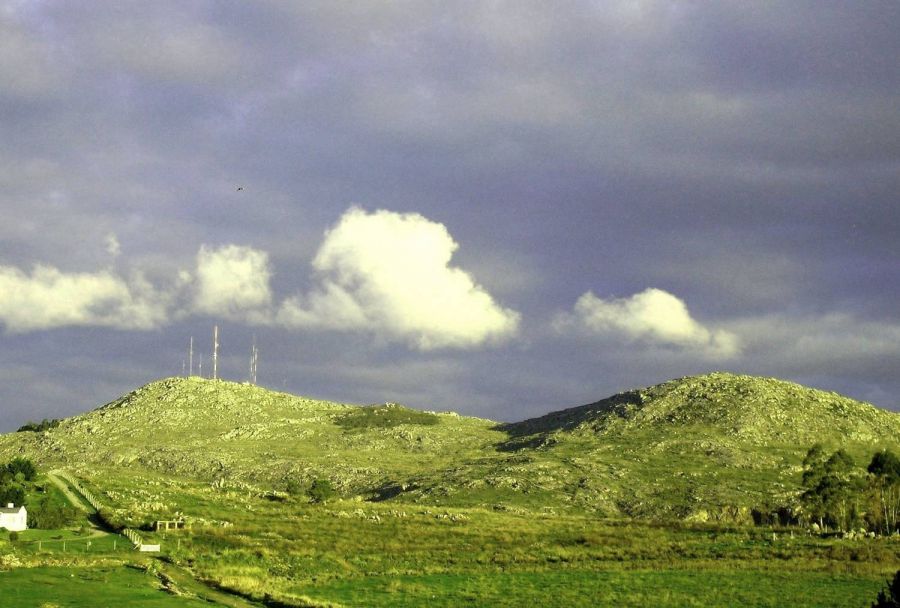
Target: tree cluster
x,y
839,494
36,427
14,477
890,596
17,486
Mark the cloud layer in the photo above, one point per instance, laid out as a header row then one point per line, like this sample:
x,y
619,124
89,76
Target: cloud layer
x,y
48,298
390,273
384,273
653,316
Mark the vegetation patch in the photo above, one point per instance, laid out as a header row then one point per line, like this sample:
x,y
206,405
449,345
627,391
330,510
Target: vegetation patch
x,y
384,416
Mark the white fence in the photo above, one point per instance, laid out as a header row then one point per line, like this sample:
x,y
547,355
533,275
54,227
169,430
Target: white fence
x,y
128,533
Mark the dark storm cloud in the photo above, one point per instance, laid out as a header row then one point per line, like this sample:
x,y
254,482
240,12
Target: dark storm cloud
x,y
741,156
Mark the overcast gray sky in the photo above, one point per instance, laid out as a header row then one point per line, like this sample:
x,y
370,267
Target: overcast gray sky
x,y
498,208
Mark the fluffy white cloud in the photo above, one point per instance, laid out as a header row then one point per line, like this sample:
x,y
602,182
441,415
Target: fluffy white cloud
x,y
233,281
389,273
49,298
653,316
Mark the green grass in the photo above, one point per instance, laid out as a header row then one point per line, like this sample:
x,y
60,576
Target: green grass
x,y
86,587
624,588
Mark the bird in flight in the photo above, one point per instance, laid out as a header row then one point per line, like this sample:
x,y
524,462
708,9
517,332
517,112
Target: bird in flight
x,y
239,188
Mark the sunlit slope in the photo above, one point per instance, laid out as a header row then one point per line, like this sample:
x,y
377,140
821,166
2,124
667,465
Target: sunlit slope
x,y
712,446
701,446
212,430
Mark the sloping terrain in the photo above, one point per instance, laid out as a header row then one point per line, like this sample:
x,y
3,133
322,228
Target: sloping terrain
x,y
711,446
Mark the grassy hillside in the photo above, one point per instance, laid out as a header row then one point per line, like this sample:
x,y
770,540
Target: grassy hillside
x,y
443,510
705,447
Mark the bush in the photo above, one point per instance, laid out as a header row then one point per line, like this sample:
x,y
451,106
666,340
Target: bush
x,y
384,416
37,427
321,490
13,536
24,466
890,597
47,515
293,487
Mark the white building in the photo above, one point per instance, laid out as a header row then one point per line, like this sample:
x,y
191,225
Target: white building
x,y
13,519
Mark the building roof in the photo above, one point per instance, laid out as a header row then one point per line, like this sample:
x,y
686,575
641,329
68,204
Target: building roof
x,y
13,510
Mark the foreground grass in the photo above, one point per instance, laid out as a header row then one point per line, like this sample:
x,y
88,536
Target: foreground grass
x,y
638,588
355,553
87,587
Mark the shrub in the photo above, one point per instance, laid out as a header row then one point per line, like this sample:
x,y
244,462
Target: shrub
x,y
24,466
13,536
321,490
388,415
47,515
890,597
37,427
293,487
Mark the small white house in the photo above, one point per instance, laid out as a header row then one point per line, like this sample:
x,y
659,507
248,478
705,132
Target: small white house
x,y
13,519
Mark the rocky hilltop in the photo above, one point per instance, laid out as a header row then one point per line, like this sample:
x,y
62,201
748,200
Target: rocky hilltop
x,y
711,446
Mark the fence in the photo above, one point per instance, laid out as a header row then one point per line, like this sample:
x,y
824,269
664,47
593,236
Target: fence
x,y
92,500
128,533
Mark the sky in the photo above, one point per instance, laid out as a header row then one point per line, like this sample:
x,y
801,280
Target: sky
x,y
500,208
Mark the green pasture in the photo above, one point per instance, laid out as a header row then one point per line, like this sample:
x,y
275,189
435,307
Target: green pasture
x,y
620,588
86,587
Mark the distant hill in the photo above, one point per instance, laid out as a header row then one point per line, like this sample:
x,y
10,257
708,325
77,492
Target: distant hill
x,y
711,446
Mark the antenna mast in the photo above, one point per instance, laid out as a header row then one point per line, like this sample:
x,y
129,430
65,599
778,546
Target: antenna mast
x,y
215,361
254,360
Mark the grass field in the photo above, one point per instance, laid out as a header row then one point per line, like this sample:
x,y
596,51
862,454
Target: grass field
x,y
86,587
624,588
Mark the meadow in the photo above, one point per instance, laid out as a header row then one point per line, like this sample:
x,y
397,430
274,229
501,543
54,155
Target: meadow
x,y
287,551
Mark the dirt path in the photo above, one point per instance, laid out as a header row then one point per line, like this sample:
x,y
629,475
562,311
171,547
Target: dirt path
x,y
70,495
182,577
186,583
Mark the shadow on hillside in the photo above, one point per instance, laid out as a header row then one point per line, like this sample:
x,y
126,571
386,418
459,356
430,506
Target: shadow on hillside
x,y
389,490
535,433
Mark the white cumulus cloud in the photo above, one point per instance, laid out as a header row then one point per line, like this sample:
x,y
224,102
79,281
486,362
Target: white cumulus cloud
x,y
653,316
49,298
233,281
390,273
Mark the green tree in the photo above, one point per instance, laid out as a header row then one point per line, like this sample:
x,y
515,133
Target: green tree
x,y
813,473
833,487
22,466
885,474
12,492
890,597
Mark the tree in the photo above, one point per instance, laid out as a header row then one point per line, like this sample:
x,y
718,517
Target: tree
x,y
12,493
833,487
885,471
813,472
22,466
890,597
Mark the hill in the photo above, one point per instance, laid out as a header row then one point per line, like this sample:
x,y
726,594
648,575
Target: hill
x,y
704,447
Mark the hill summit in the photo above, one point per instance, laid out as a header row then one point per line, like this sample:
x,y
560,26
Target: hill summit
x,y
757,410
710,446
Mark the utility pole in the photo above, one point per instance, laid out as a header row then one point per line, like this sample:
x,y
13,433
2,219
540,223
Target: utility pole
x,y
215,352
201,366
191,356
254,359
